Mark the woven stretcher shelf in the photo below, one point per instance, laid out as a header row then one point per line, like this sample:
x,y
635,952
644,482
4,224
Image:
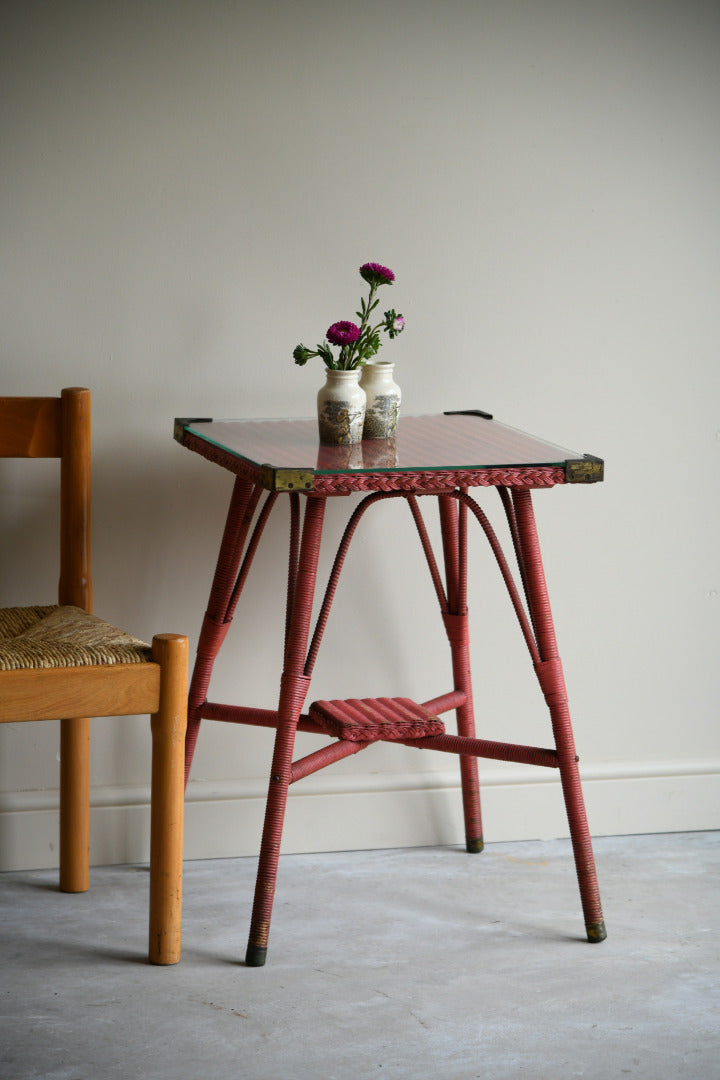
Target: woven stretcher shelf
x,y
368,719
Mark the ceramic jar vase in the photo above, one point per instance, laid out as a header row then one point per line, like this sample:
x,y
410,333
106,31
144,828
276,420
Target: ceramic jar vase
x,y
383,400
341,408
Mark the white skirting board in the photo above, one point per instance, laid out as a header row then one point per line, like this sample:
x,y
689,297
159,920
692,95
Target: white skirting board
x,y
350,812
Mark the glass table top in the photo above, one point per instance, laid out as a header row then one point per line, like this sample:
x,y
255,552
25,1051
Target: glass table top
x,y
446,441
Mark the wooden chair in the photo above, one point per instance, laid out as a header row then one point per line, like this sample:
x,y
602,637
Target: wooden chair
x,y
63,663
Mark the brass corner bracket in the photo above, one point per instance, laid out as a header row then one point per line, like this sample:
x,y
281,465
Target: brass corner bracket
x,y
585,470
286,479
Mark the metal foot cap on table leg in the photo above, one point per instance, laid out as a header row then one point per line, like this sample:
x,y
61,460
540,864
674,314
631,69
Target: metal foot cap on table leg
x,y
255,955
474,846
596,931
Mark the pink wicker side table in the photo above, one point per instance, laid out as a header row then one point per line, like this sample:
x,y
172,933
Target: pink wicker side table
x,y
440,456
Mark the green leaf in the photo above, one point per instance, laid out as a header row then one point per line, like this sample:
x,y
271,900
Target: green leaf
x,y
370,346
325,352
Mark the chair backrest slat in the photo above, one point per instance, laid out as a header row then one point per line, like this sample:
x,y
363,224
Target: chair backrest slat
x,y
30,427
59,427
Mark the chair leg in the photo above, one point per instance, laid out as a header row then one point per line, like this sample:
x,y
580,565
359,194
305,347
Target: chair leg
x,y
168,727
75,805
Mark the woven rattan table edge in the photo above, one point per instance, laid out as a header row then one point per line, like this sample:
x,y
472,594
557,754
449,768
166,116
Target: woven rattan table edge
x,y
418,481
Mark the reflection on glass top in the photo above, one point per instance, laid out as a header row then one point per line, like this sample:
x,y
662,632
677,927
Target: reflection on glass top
x,y
422,443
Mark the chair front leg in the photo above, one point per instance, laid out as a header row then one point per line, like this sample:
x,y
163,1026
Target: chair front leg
x,y
168,726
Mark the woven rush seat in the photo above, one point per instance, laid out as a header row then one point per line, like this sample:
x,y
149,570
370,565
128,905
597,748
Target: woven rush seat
x,y
63,636
366,719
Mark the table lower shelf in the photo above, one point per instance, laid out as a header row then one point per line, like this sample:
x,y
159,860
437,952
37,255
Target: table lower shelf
x,y
364,719
343,715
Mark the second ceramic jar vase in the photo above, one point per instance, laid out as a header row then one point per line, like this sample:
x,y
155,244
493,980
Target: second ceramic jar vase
x,y
341,408
383,398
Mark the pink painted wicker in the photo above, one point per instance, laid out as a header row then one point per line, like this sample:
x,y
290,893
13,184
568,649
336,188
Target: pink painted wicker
x,y
430,481
354,724
366,719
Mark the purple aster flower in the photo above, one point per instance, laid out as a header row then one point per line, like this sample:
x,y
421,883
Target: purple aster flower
x,y
343,333
375,274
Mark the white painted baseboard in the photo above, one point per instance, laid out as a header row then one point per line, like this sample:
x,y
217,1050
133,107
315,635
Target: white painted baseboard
x,y
349,812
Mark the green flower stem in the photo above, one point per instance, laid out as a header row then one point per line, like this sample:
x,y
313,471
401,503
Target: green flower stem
x,y
363,324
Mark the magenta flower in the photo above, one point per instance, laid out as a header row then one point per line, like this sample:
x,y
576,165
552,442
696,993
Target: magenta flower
x,y
357,343
375,274
343,333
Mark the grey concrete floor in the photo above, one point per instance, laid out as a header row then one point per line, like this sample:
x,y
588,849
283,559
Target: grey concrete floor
x,y
405,964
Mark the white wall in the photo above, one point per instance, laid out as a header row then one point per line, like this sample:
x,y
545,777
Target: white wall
x,y
188,190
